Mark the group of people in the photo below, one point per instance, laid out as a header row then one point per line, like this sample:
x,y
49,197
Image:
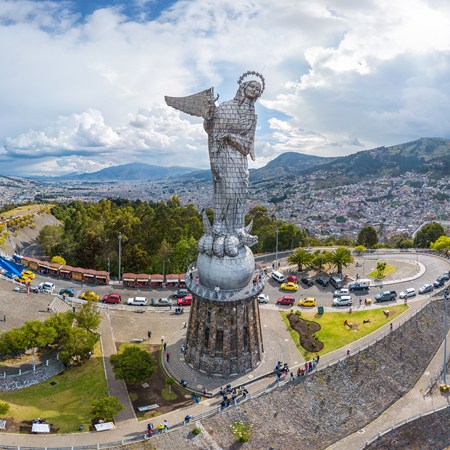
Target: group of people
x,y
179,311
151,430
283,369
230,395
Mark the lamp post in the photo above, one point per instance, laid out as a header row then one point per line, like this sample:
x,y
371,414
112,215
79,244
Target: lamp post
x,y
444,387
120,253
276,249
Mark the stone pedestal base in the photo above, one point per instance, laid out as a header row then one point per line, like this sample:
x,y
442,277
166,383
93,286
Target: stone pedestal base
x,y
224,338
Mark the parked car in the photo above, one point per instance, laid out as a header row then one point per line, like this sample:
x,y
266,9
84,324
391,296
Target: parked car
x,y
292,279
308,301
446,275
278,277
308,281
322,281
340,292
67,291
439,282
286,300
22,279
289,286
263,298
161,302
112,298
385,296
360,285
46,286
336,282
185,301
407,293
180,293
345,300
137,301
90,295
28,274
425,288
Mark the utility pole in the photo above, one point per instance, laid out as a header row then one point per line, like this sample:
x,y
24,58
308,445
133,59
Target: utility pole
x,y
276,249
444,386
120,253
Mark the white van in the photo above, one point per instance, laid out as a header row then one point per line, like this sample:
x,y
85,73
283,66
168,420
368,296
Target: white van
x,y
137,301
409,292
278,277
46,286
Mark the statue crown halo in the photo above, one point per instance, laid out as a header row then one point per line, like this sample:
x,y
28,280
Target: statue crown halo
x,y
256,74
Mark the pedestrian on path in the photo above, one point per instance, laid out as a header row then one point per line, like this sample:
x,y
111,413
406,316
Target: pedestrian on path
x,y
348,352
391,326
166,426
167,356
165,345
292,376
149,334
187,419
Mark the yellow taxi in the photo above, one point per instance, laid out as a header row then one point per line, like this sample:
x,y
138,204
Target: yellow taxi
x,y
23,279
290,286
90,295
28,274
308,301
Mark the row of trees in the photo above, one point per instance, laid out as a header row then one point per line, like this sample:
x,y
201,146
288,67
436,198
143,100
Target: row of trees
x,y
339,258
162,237
73,334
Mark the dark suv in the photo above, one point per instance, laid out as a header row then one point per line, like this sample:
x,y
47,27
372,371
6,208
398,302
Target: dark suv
x,y
439,282
322,281
446,275
307,280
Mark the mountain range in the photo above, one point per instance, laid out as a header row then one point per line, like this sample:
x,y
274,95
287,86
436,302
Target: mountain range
x,y
425,155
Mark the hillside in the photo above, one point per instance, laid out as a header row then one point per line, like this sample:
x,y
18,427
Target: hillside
x,y
132,171
426,155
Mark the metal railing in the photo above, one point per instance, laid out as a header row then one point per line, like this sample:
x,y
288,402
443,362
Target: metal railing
x,y
404,422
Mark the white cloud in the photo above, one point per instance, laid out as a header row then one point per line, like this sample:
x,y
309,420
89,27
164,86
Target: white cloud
x,y
339,75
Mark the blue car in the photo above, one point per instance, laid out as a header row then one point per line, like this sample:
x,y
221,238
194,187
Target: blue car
x,y
67,291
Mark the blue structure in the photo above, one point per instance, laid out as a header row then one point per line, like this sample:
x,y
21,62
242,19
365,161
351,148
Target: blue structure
x,y
13,267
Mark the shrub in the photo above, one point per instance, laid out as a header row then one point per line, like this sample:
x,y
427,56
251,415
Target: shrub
x,y
196,431
242,431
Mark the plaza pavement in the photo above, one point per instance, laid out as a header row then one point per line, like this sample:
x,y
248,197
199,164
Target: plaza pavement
x,y
275,340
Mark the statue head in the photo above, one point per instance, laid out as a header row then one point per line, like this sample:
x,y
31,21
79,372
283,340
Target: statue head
x,y
249,91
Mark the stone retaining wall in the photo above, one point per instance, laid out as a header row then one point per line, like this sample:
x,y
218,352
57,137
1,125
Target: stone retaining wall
x,y
42,373
427,433
325,407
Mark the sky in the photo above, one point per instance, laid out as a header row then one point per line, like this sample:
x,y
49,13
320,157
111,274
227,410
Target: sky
x,y
82,83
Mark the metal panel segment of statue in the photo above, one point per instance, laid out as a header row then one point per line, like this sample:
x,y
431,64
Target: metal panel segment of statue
x,y
231,133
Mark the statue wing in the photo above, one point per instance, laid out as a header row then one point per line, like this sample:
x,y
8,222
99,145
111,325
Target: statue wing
x,y
200,105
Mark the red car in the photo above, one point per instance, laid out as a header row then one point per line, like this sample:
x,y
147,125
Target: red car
x,y
111,298
292,279
286,300
185,301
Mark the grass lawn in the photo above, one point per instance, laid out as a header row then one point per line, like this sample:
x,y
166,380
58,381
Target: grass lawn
x,y
387,271
334,334
67,404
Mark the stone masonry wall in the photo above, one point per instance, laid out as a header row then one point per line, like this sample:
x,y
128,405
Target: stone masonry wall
x,y
322,408
42,373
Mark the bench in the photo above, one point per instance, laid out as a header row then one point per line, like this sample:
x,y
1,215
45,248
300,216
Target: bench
x,y
148,407
137,341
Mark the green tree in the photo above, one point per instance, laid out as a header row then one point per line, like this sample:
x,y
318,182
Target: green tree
x,y
133,365
184,252
442,244
300,258
367,236
381,266
321,257
39,334
58,260
340,258
4,408
78,344
429,233
87,317
170,382
360,249
106,407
